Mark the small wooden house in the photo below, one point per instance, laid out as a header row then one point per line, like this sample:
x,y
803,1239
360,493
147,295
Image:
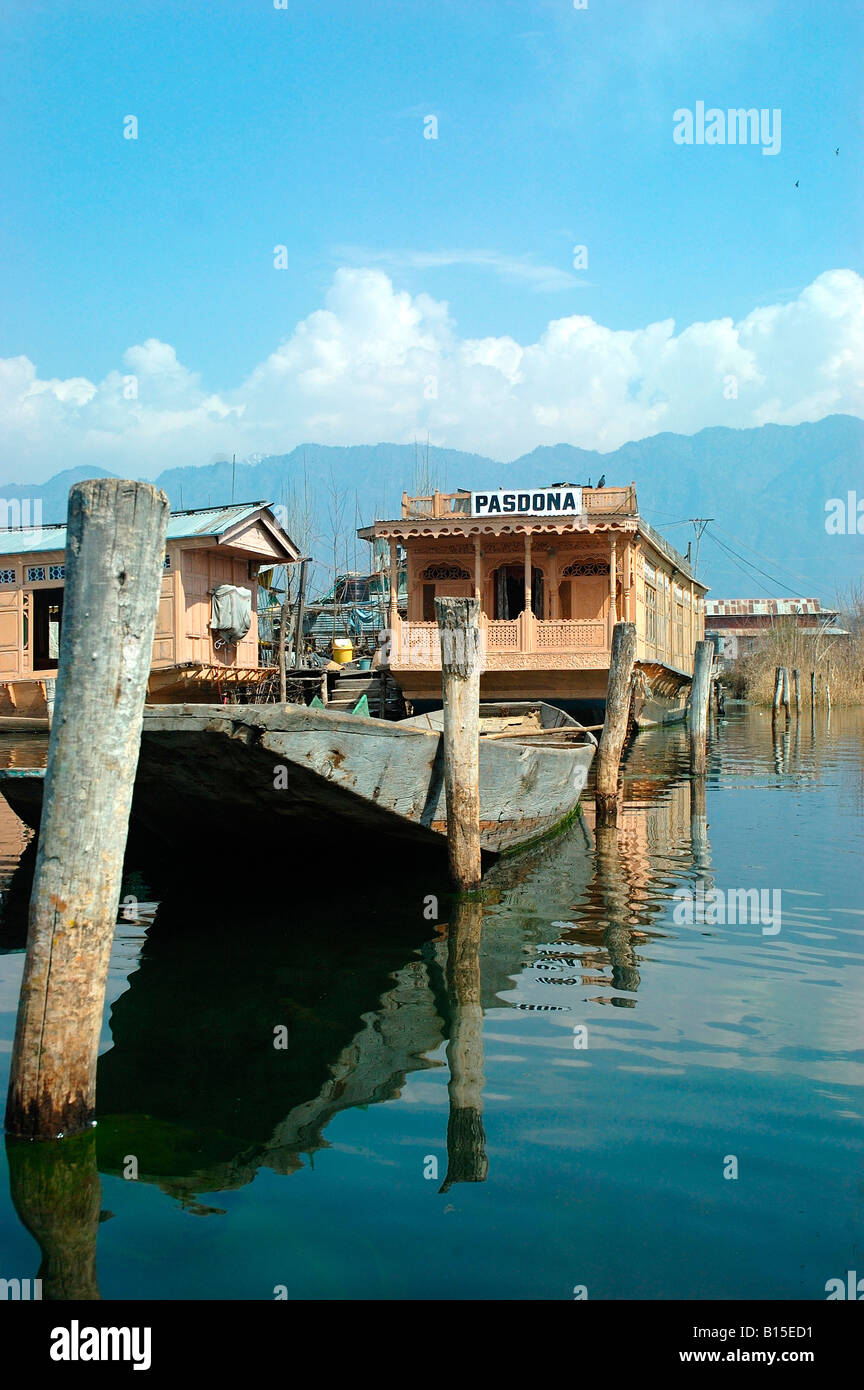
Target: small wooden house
x,y
204,550
553,570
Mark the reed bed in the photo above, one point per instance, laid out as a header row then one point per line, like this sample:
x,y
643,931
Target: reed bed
x,y
837,661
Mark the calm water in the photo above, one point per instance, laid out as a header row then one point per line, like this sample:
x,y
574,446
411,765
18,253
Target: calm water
x,y
311,1166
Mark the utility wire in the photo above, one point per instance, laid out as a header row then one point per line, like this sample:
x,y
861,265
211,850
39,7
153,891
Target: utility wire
x,y
733,554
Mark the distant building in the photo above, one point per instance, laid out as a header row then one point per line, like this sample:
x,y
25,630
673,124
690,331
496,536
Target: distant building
x,y
741,623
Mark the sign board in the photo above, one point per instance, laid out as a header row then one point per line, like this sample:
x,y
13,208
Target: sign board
x,y
544,501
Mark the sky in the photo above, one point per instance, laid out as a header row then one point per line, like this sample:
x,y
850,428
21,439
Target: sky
x,y
284,255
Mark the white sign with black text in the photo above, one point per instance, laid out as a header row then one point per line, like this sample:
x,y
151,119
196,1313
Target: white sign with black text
x,y
544,501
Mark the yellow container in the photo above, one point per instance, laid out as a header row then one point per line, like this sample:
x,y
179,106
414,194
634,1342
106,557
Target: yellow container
x,y
343,650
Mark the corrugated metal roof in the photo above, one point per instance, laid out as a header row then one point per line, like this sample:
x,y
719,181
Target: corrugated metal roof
x,y
764,607
207,521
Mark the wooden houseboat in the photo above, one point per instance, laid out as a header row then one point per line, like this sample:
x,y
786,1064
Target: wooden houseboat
x,y
205,550
553,570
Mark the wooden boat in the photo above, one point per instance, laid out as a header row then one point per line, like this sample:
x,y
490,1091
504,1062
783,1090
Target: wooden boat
x,y
226,772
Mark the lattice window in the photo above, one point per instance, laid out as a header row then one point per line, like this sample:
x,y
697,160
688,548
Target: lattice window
x,y
7,576
579,568
166,563
56,571
445,572
35,573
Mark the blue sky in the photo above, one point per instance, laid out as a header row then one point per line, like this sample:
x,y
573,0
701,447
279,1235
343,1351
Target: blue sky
x,y
303,127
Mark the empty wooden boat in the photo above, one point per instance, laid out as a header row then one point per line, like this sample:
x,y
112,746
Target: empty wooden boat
x,y
276,772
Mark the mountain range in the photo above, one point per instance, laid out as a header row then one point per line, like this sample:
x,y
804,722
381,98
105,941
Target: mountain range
x,y
765,491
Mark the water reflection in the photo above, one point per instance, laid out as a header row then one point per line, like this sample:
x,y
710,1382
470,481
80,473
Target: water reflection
x,y
57,1195
466,1138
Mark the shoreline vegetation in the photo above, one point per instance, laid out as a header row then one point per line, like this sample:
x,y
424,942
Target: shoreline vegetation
x,y
837,661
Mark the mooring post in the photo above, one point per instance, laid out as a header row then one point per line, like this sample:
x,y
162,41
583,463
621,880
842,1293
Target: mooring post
x,y
700,691
114,556
784,670
812,689
621,663
778,694
459,632
796,690
283,675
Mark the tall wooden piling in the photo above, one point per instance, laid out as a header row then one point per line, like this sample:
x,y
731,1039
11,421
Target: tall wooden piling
x,y
700,693
114,561
778,694
623,659
812,689
796,690
784,670
458,629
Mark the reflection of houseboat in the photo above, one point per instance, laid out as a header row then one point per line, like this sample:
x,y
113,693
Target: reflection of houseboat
x,y
212,551
553,570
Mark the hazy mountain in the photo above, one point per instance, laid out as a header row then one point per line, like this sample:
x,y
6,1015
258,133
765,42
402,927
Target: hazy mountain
x,y
766,489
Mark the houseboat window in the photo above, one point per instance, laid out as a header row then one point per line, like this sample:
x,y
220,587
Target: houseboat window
x,y
56,571
509,591
35,573
7,576
47,620
650,615
166,563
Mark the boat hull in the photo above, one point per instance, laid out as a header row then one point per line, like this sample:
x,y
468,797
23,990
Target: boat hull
x,y
264,771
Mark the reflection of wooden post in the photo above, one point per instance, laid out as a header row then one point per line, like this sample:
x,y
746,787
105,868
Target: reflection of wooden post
x,y
617,714
460,672
115,545
57,1194
466,1138
796,690
698,823
778,694
828,686
700,693
612,885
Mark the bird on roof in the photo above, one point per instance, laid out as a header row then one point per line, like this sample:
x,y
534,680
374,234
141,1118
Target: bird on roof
x,y
602,482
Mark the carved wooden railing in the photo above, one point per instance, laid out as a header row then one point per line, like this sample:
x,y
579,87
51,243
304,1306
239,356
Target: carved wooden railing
x,y
415,644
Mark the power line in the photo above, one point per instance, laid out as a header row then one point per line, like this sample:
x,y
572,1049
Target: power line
x,y
743,558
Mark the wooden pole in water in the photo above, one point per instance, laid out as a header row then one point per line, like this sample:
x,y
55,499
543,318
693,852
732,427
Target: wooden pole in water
x,y
786,703
622,661
778,692
828,685
283,678
114,554
459,633
700,693
796,690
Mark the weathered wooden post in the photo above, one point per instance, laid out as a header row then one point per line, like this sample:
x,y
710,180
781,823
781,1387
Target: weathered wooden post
x,y
459,633
700,692
786,701
796,690
114,555
778,694
622,661
812,689
828,686
283,674
301,600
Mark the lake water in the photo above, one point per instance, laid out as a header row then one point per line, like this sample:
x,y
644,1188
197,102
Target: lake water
x,y
552,1092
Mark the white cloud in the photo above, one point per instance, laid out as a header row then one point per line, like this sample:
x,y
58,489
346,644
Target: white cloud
x,y
376,363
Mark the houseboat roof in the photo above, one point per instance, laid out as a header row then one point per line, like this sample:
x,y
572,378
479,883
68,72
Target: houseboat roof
x,y
224,524
602,509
